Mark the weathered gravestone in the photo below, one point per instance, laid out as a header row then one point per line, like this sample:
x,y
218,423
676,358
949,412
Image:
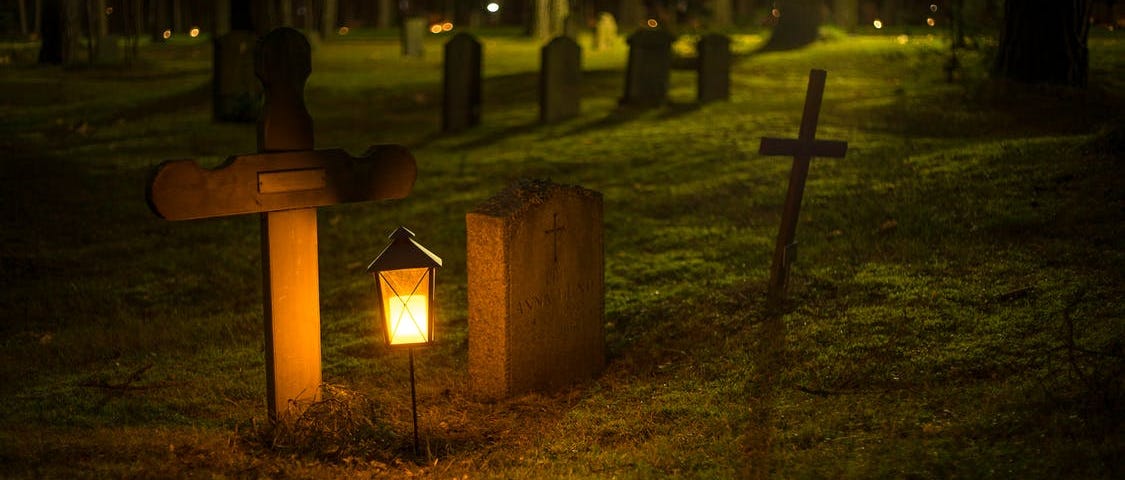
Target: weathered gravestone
x,y
462,85
412,34
284,183
536,268
650,64
236,94
802,150
560,75
714,68
605,31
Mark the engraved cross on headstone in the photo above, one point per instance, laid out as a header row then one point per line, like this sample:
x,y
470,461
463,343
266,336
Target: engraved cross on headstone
x,y
554,232
802,150
284,182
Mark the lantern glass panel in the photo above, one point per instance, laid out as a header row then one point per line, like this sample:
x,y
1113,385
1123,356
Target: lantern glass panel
x,y
406,300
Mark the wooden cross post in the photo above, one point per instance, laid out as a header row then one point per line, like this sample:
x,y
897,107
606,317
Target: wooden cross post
x,y
802,150
284,182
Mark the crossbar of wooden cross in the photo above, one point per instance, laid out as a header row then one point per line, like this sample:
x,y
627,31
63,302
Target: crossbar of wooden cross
x,y
284,182
802,149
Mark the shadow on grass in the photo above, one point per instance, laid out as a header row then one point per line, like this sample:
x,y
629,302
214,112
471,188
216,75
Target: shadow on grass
x,y
187,99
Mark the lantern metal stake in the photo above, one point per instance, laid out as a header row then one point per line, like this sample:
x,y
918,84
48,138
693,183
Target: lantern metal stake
x,y
413,401
404,280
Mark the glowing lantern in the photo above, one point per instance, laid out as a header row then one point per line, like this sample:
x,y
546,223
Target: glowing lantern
x,y
194,32
492,7
652,23
877,23
404,278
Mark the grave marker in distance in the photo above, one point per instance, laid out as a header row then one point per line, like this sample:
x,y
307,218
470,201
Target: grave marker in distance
x,y
650,64
236,94
412,34
536,270
605,31
714,68
462,84
560,76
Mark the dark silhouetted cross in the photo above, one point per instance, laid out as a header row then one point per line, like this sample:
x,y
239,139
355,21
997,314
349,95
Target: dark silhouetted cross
x,y
802,149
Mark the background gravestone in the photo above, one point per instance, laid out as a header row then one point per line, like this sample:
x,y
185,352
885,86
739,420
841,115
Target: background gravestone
x,y
714,68
605,32
412,33
236,94
650,63
536,270
461,101
559,77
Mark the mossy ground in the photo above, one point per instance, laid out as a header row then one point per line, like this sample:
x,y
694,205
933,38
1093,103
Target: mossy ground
x,y
955,308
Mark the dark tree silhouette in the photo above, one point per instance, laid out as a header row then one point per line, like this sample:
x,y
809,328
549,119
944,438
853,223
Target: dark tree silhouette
x,y
1044,41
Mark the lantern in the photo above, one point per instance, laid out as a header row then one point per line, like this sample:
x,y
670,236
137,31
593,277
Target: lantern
x,y
404,282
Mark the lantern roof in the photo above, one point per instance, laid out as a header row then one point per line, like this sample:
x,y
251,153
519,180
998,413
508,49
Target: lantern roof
x,y
403,252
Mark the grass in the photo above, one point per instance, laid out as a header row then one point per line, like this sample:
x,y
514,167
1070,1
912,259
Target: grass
x,y
955,309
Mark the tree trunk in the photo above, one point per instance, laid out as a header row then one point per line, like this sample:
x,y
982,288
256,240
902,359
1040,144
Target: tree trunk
x,y
386,14
23,17
51,47
845,13
328,19
286,13
797,27
38,22
722,14
1044,42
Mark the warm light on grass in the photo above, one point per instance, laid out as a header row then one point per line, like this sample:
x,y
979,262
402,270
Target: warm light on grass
x,y
343,30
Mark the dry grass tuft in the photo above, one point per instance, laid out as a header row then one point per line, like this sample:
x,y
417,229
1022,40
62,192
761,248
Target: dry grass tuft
x,y
343,426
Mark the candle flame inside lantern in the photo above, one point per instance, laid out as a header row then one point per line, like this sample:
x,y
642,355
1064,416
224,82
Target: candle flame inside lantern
x,y
409,321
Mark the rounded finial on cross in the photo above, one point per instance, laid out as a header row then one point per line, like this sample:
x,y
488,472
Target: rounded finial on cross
x,y
283,62
284,57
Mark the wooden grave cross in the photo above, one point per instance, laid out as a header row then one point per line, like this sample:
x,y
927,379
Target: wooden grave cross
x,y
284,182
802,149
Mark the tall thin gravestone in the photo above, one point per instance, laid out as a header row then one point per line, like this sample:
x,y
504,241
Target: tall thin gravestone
x,y
714,68
535,259
803,149
648,72
236,94
560,76
462,83
605,32
411,35
284,183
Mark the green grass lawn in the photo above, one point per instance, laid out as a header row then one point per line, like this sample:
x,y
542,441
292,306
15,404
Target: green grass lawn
x,y
956,309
